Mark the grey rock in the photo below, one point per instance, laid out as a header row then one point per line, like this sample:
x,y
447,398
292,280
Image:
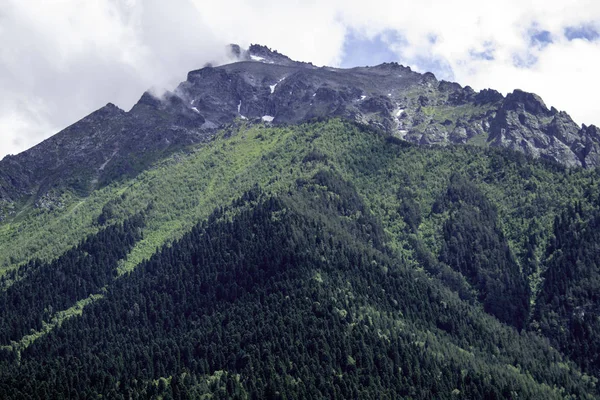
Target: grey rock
x,y
524,123
487,96
459,135
111,143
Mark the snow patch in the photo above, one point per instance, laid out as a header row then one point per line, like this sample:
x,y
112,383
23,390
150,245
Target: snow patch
x,y
399,112
363,97
195,109
239,109
107,161
389,94
256,58
268,118
275,85
192,102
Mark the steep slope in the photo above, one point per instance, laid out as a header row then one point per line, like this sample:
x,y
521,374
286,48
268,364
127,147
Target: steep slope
x,y
190,184
111,144
273,229
107,144
523,122
475,246
80,272
288,296
568,307
377,264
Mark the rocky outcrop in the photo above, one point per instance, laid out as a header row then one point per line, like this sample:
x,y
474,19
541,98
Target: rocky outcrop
x,y
524,123
264,85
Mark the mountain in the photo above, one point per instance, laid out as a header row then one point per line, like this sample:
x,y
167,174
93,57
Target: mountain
x,y
272,229
265,85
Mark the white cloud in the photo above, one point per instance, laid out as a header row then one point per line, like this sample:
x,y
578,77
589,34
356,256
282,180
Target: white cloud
x,y
61,59
305,30
563,72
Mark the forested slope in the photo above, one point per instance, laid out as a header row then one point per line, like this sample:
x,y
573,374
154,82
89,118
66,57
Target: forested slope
x,y
294,296
317,260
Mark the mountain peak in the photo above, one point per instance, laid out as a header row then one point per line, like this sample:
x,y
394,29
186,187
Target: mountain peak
x,y
263,85
529,102
259,50
261,53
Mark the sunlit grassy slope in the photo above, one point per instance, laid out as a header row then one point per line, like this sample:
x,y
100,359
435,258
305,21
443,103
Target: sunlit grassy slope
x,y
186,187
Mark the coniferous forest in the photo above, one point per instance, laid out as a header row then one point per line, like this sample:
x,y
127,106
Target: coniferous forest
x,y
322,260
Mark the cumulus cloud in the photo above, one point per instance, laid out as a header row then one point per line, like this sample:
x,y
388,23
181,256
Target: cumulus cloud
x,y
61,59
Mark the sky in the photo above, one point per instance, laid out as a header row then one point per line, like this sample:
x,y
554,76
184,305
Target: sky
x,y
62,59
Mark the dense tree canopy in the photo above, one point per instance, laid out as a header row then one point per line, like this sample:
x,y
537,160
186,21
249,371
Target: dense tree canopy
x,y
315,261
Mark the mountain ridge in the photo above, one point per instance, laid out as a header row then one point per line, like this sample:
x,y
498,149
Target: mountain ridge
x,y
262,85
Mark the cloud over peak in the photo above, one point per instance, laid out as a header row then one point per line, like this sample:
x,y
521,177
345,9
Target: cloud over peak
x,y
61,60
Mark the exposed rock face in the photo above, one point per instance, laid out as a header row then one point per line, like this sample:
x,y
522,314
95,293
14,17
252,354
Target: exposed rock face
x,y
524,123
267,86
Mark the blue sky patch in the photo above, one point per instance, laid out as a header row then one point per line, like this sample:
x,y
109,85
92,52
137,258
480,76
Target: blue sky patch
x,y
524,61
587,32
486,54
360,51
540,38
439,66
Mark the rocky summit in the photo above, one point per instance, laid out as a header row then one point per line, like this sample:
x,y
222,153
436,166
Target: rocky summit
x,y
264,86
